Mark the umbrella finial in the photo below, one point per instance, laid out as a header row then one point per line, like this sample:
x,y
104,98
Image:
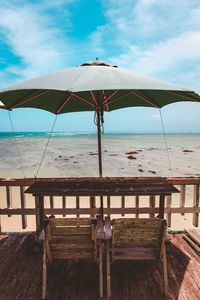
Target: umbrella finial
x,y
97,62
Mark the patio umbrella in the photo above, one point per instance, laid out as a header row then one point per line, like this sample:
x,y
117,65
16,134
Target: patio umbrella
x,y
93,86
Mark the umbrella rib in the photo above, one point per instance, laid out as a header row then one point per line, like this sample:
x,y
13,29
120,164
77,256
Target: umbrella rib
x,y
63,104
145,99
122,96
184,96
94,99
82,99
34,95
105,101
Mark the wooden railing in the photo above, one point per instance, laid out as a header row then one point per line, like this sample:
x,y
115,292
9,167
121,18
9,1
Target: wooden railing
x,y
186,202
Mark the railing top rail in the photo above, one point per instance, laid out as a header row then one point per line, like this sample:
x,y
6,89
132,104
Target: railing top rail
x,y
29,181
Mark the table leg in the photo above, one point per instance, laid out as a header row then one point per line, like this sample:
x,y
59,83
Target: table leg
x,y
161,206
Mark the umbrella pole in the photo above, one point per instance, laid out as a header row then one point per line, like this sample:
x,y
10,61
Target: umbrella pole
x,y
100,158
99,143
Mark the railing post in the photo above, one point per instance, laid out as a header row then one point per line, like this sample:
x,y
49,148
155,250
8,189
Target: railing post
x,y
137,205
64,204
51,205
169,215
77,205
23,206
182,197
151,205
9,197
92,204
195,205
37,219
122,204
108,204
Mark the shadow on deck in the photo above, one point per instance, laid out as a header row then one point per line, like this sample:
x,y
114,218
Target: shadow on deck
x,y
21,274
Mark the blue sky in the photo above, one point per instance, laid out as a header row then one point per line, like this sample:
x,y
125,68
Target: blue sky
x,y
155,38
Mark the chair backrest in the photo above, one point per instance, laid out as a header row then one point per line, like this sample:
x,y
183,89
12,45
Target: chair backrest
x,y
71,238
137,239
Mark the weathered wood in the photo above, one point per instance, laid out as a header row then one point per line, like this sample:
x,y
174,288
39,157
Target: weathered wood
x,y
92,206
48,251
182,196
165,271
36,213
41,209
70,230
51,198
99,228
72,255
130,280
196,201
137,206
108,203
112,182
108,281
23,205
79,237
77,204
122,203
108,230
168,205
101,188
101,270
152,205
75,222
192,243
149,241
9,198
194,234
44,273
94,211
172,180
161,206
64,204
193,239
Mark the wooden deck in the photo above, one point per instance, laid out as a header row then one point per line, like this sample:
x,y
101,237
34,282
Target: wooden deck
x,y
20,277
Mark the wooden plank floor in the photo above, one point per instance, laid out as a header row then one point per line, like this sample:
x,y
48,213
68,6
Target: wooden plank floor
x,y
20,274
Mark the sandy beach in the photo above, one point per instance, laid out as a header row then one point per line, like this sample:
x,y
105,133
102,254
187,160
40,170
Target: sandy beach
x,y
123,155
75,155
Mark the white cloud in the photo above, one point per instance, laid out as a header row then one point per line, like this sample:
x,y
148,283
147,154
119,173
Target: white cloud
x,y
157,38
33,39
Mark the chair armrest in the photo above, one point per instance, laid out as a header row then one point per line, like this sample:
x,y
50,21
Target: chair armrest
x,y
108,231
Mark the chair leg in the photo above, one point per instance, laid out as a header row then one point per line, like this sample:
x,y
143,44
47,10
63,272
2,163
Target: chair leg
x,y
108,269
44,273
165,271
101,270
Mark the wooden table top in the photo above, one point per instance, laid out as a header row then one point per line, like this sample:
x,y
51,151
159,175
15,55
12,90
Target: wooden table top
x,y
101,188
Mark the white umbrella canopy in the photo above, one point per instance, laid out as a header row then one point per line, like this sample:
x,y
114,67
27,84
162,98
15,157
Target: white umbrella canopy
x,y
93,86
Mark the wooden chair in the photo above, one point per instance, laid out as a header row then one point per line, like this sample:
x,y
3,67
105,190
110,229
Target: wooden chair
x,y
72,238
139,239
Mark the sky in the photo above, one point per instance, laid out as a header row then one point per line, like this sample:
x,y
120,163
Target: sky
x,y
154,38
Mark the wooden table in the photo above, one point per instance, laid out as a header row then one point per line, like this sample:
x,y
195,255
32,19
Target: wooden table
x,y
101,188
